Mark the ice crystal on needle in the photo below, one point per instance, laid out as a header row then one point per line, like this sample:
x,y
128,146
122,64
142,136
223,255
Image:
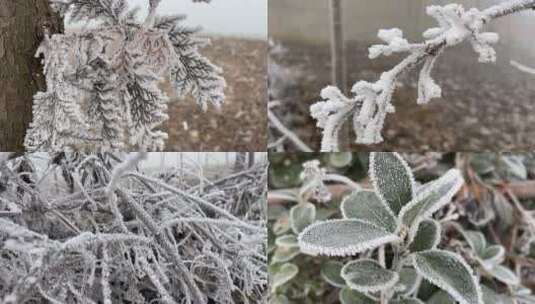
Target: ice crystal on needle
x,y
103,83
373,101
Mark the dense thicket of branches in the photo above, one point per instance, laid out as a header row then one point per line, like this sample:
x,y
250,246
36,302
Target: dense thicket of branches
x,y
92,228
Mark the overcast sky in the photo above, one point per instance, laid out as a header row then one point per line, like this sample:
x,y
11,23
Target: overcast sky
x,y
238,18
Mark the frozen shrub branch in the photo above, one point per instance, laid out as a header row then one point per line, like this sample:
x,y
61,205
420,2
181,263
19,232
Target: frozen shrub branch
x,y
372,102
128,236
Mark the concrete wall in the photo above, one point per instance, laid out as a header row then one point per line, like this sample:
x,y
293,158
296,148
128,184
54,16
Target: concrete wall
x,y
308,21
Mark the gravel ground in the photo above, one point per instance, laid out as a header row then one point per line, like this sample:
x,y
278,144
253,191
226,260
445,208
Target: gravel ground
x,y
241,123
484,106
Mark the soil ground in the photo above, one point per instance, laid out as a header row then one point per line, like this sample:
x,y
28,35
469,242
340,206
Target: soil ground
x,y
241,123
484,106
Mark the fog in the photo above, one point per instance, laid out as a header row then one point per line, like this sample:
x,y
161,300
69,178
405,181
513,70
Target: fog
x,y
235,18
308,21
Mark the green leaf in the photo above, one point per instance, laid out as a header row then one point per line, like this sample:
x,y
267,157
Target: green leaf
x,y
367,206
408,281
427,236
442,297
350,296
330,272
281,225
504,275
475,239
449,272
392,179
492,256
284,254
343,237
368,276
428,201
288,240
340,159
301,216
283,275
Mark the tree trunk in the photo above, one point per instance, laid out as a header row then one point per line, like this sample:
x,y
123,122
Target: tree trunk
x,y
251,159
338,69
21,30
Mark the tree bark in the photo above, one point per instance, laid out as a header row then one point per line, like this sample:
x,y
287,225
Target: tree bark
x,y
21,76
338,69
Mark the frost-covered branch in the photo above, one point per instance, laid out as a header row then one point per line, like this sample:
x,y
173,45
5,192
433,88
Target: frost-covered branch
x,y
103,83
522,67
125,238
372,102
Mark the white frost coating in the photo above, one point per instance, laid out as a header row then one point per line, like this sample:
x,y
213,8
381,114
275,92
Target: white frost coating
x,y
129,164
342,237
103,83
365,205
368,276
436,277
373,101
395,40
425,204
391,176
330,115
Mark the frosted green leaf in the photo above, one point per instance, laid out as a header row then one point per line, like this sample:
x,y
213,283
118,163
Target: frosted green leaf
x,y
343,237
504,274
340,159
449,272
407,301
281,225
301,216
283,275
492,256
368,276
475,239
288,240
427,236
408,281
434,197
442,297
350,296
392,179
284,254
330,272
367,206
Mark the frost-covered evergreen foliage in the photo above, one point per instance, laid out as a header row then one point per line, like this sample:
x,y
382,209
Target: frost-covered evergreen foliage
x,y
399,240
371,102
92,228
103,82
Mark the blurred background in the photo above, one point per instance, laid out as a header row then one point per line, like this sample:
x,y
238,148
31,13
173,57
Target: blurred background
x,y
484,106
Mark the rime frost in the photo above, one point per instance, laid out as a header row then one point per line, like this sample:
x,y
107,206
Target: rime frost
x,y
92,228
103,84
371,102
